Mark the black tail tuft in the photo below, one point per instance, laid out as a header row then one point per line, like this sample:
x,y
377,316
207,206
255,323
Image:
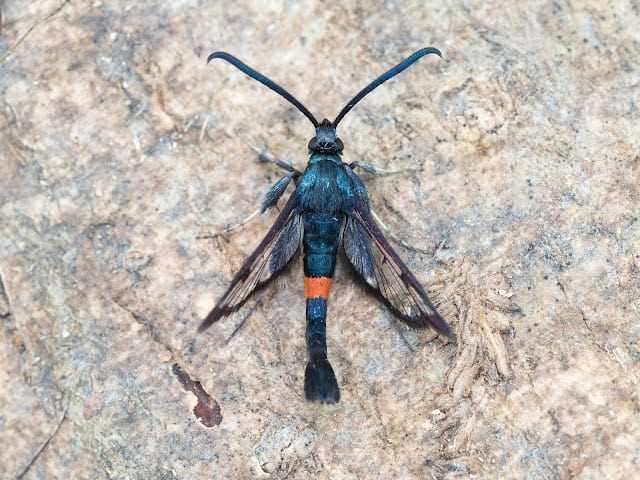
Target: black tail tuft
x,y
320,383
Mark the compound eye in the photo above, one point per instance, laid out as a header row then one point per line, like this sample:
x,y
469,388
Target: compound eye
x,y
312,144
339,145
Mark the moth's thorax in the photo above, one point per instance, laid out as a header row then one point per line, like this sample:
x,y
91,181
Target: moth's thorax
x,y
325,157
324,186
326,140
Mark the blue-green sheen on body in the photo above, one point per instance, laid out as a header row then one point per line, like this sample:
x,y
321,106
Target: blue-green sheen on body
x,y
320,243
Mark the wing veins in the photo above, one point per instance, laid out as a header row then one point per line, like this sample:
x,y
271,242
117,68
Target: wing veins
x,y
392,279
252,274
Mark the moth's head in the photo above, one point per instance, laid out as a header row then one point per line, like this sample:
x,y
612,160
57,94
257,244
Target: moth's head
x,y
326,140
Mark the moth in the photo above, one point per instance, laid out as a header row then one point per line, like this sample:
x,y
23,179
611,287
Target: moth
x,y
328,209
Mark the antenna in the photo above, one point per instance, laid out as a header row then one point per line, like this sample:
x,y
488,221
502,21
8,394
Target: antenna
x,y
265,81
246,69
406,63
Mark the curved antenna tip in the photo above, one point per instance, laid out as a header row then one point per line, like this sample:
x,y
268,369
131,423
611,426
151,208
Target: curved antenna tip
x,y
217,55
428,50
403,65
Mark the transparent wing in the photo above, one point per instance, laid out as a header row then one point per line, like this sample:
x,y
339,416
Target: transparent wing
x,y
272,255
379,265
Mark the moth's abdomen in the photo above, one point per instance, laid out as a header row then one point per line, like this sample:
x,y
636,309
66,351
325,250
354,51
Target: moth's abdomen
x,y
320,241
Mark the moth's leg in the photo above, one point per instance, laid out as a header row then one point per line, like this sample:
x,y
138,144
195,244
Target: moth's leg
x,y
271,197
276,191
270,200
373,170
231,228
266,157
397,239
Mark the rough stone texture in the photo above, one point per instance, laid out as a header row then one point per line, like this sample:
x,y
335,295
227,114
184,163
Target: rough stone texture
x,y
119,148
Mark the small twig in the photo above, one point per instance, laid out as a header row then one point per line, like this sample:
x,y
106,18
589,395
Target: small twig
x,y
32,28
44,444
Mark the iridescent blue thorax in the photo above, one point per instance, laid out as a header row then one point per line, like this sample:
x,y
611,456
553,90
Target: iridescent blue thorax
x,y
325,186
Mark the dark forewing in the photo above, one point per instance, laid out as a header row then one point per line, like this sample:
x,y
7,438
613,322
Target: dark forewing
x,y
271,256
379,265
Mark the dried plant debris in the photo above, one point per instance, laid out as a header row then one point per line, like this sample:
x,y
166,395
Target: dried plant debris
x,y
481,300
207,410
5,308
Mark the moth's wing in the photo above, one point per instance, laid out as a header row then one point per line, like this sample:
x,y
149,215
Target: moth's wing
x,y
373,258
272,255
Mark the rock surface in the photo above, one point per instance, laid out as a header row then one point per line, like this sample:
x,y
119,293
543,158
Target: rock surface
x,y
517,198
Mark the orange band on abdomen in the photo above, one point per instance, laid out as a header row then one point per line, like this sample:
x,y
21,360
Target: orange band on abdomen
x,y
317,287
